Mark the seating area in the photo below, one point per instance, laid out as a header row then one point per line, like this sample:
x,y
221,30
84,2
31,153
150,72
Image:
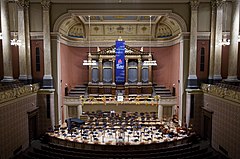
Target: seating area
x,y
189,150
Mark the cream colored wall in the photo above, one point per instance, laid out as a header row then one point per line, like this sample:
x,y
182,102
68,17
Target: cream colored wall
x,y
35,17
14,124
204,17
225,124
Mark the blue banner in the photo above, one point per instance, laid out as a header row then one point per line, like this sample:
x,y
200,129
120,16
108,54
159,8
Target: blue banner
x,y
120,62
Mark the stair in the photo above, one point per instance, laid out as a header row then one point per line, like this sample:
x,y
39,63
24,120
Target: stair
x,y
162,91
78,90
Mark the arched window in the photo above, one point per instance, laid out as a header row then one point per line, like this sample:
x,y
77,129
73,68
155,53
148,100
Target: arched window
x,y
202,59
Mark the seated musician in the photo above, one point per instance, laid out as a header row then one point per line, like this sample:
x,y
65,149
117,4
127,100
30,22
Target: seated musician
x,y
175,119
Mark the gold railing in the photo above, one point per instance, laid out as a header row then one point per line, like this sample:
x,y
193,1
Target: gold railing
x,y
222,92
18,92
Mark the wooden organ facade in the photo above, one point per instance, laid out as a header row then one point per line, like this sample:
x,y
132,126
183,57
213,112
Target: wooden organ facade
x,y
138,77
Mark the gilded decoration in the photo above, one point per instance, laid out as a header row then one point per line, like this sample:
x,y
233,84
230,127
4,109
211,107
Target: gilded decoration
x,y
222,92
18,92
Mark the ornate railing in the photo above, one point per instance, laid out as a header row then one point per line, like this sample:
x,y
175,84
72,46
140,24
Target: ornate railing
x,y
222,92
127,100
18,92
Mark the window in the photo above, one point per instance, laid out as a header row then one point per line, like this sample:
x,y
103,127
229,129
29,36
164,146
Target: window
x,y
202,61
37,59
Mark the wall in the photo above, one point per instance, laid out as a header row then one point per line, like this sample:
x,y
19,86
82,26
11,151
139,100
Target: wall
x,y
204,17
72,70
36,18
168,60
14,124
225,124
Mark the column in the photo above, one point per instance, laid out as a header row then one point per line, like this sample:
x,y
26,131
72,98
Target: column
x,y
212,41
150,70
192,77
126,75
160,112
47,78
139,70
113,71
188,108
90,69
6,46
233,51
79,111
218,38
27,42
22,38
100,71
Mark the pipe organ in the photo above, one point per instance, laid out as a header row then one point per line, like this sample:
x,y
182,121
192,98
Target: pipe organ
x,y
102,76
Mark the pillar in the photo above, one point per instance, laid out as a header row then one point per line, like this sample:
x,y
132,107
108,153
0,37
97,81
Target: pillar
x,y
192,77
6,46
47,78
22,38
126,75
233,51
218,38
113,71
212,41
139,70
27,42
150,70
100,71
160,112
79,111
90,69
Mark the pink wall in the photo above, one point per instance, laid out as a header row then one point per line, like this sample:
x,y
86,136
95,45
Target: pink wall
x,y
168,60
72,70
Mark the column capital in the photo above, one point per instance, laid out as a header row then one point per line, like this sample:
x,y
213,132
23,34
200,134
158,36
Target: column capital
x,y
46,4
219,3
213,4
22,3
194,4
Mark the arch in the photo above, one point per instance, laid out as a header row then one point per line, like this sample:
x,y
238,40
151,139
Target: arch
x,y
175,18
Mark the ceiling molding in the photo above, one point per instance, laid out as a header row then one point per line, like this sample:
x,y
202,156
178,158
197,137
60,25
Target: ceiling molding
x,y
119,1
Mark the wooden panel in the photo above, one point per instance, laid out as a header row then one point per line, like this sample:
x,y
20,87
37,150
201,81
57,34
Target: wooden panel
x,y
92,90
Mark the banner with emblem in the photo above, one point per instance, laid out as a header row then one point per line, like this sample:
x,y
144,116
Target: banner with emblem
x,y
120,62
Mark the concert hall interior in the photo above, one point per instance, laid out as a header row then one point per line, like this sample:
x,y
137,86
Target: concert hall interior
x,y
119,79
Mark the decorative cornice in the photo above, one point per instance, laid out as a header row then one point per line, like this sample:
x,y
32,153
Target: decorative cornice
x,y
46,4
194,4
